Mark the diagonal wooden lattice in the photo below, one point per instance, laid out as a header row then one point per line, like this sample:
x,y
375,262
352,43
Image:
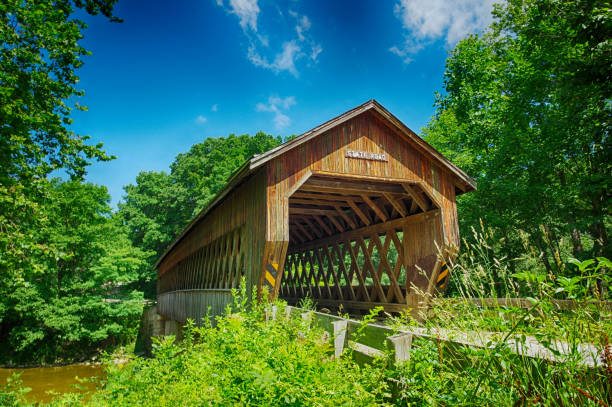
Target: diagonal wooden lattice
x,y
218,265
367,268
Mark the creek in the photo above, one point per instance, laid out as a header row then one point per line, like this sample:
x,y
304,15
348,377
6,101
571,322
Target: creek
x,y
58,379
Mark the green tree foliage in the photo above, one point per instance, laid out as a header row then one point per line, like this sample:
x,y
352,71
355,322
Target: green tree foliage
x,y
38,58
69,306
206,167
61,254
39,54
527,111
160,205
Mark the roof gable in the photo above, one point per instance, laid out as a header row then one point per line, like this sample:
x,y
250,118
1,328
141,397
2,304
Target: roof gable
x,y
468,182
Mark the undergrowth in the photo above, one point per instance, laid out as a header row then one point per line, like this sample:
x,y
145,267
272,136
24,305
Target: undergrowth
x,y
244,358
564,316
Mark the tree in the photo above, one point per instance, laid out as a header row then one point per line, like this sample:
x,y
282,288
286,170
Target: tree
x,y
62,311
206,167
60,252
38,58
527,111
154,211
39,55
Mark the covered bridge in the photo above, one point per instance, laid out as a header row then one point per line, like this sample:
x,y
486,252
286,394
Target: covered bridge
x,y
355,213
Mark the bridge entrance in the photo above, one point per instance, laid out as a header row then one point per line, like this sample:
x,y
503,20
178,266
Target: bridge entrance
x,y
356,243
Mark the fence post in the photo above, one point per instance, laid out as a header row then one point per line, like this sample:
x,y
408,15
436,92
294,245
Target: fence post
x,y
271,313
340,328
307,316
402,344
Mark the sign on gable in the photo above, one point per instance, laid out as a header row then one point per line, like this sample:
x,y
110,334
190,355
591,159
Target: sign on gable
x,y
366,155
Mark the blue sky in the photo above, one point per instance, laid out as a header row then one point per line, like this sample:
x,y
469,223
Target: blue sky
x,y
176,72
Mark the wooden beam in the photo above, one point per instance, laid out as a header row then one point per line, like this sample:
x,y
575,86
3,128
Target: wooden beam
x,y
423,188
323,224
312,227
323,273
383,251
394,214
382,204
297,235
347,218
349,187
369,230
375,208
311,211
303,230
367,254
397,204
362,216
336,223
356,305
362,288
298,184
416,196
413,206
324,197
334,272
341,258
318,202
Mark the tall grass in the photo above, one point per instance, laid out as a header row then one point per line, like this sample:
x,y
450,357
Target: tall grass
x,y
495,374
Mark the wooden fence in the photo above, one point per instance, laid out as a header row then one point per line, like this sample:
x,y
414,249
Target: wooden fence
x,y
376,338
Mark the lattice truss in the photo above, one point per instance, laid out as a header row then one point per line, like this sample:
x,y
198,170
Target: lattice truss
x,y
346,241
361,269
218,265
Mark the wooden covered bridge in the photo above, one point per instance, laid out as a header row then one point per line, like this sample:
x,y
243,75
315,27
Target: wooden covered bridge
x,y
355,213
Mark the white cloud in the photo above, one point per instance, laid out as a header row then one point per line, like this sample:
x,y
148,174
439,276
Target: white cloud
x,y
283,61
247,11
214,107
201,119
302,27
316,50
276,105
285,103
429,20
299,46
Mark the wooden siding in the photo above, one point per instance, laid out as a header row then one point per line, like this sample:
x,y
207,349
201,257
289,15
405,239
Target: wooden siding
x,y
326,154
367,267
194,304
320,165
223,247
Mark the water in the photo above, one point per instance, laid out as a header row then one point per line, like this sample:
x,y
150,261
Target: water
x,y
58,379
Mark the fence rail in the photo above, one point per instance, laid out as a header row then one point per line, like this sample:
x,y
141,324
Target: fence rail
x,y
377,338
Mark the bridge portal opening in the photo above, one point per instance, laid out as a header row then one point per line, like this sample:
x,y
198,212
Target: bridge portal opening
x,y
358,243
